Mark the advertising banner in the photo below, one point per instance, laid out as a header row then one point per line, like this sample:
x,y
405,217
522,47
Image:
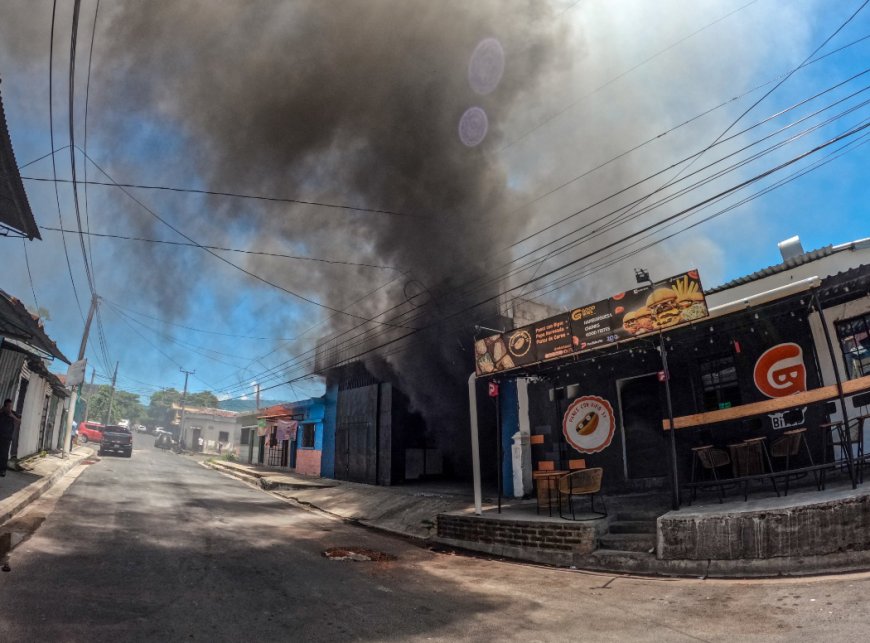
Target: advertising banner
x,y
633,313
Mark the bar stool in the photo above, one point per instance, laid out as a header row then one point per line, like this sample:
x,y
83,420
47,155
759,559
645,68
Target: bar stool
x,y
711,459
787,446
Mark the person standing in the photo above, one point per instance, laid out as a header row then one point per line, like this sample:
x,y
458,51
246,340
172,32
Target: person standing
x,y
9,420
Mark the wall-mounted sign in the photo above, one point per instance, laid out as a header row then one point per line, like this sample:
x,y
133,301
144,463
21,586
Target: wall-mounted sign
x,y
588,424
493,389
780,371
629,314
787,419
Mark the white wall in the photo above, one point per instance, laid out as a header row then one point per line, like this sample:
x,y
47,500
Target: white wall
x,y
31,414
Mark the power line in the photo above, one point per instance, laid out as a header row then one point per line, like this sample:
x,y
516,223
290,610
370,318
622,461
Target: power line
x,y
53,162
235,195
225,249
227,261
29,276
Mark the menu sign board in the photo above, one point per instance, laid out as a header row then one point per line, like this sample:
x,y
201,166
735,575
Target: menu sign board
x,y
629,314
669,303
553,337
592,325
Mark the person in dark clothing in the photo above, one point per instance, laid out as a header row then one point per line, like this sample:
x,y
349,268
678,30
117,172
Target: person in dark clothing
x,y
9,420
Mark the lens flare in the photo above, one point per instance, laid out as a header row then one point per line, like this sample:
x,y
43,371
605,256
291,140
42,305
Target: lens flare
x,y
486,66
473,126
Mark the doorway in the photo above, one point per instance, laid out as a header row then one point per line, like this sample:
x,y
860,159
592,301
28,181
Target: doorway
x,y
643,437
197,436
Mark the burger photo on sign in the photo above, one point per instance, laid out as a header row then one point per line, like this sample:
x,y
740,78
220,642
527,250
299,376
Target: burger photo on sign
x,y
662,304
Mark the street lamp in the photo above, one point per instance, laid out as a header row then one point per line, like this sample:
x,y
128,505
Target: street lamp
x,y
642,276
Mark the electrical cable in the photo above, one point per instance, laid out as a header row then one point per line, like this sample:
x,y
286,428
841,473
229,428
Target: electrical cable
x,y
225,249
53,162
227,261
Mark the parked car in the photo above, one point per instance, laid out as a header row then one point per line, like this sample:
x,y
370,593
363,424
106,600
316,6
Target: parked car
x,y
117,439
90,432
164,441
141,428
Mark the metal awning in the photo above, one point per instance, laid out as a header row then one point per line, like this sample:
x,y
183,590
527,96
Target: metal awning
x,y
18,324
16,217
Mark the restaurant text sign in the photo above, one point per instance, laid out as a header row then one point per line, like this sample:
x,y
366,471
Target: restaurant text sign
x,y
669,303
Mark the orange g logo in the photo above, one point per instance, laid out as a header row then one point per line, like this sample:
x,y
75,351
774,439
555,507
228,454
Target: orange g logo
x,y
780,371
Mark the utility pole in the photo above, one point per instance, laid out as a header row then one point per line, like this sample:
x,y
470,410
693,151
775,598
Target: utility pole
x,y
91,396
257,384
183,399
67,436
108,415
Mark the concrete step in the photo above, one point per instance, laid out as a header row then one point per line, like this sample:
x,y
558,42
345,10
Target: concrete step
x,y
632,515
632,527
628,542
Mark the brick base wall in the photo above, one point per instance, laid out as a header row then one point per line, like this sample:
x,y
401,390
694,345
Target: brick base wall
x,y
308,462
492,534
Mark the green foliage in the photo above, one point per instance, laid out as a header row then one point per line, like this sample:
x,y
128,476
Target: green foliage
x,y
160,411
229,456
125,405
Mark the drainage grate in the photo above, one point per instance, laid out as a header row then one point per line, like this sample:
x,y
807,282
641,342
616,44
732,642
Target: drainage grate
x,y
358,554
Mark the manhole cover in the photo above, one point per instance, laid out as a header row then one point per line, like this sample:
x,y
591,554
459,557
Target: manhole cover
x,y
357,554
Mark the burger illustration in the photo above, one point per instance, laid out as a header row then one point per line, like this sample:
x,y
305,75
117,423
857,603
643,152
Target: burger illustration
x,y
662,303
588,424
629,322
643,321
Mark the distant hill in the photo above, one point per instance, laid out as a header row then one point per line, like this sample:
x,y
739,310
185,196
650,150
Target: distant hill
x,y
245,406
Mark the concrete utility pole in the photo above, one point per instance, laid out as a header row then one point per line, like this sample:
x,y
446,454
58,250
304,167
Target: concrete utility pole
x,y
67,436
183,400
108,415
90,397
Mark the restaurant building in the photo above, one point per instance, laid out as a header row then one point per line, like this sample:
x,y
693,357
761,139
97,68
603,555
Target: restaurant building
x,y
765,338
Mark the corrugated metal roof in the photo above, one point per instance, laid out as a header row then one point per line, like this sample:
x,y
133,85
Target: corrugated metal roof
x,y
15,212
17,323
807,257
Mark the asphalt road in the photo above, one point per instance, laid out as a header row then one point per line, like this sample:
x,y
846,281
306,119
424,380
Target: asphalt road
x,y
159,548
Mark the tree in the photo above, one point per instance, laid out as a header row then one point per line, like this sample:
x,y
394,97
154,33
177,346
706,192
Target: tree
x,y
125,405
160,411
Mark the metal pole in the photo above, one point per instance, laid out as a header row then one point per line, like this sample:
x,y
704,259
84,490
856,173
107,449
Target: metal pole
x,y
499,454
839,388
675,480
67,436
90,397
475,444
183,400
108,415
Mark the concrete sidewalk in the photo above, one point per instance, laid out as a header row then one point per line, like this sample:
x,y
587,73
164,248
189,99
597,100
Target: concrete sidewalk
x,y
33,477
408,510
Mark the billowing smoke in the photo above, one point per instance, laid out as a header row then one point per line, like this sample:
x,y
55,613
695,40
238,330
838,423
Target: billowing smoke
x,y
392,105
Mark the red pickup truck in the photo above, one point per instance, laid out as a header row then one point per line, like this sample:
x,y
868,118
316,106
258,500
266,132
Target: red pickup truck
x,y
90,432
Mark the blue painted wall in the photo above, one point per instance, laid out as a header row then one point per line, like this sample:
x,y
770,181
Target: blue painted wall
x,y
509,407
327,435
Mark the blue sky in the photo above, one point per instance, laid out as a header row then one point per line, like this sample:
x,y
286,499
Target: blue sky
x,y
617,75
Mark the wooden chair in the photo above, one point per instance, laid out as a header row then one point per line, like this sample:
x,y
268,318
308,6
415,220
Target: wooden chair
x,y
583,482
711,459
788,446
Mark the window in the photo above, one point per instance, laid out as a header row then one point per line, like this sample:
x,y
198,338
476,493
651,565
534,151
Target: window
x,y
307,436
854,336
719,383
246,436
223,436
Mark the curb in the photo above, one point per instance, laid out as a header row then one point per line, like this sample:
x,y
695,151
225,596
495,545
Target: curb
x,y
15,503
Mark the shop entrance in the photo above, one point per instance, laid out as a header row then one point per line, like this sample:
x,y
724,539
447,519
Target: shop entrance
x,y
643,438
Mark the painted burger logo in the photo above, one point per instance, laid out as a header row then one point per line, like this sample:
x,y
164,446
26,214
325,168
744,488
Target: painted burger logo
x,y
588,424
780,371
520,343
